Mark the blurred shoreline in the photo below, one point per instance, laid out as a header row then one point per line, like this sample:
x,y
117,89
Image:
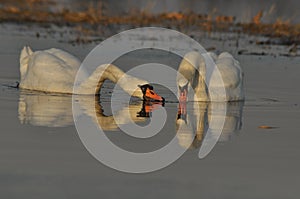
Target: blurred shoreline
x,y
93,18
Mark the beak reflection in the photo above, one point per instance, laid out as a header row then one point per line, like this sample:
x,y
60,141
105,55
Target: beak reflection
x,y
148,107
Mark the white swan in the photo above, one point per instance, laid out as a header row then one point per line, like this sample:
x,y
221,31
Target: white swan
x,y
54,70
227,74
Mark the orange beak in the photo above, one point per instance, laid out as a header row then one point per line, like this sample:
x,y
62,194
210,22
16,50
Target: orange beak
x,y
183,93
183,96
181,114
182,103
152,96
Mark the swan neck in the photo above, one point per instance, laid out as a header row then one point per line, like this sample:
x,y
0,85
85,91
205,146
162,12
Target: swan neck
x,y
93,84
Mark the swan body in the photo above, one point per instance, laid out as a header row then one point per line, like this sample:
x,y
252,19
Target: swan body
x,y
225,81
55,70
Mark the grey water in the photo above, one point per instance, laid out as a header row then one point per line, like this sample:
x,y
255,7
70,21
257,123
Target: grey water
x,y
42,156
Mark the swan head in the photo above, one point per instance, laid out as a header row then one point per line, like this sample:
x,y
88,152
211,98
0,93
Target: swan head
x,y
183,85
149,94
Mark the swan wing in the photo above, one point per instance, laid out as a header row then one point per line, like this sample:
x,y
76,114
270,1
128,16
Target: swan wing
x,y
230,71
65,57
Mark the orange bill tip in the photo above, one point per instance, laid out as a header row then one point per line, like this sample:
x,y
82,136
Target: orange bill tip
x,y
150,94
183,96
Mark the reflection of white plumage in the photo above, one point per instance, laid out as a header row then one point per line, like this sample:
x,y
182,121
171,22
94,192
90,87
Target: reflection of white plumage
x,y
91,107
40,109
213,121
226,75
54,70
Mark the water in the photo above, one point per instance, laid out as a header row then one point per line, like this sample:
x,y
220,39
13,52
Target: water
x,y
43,157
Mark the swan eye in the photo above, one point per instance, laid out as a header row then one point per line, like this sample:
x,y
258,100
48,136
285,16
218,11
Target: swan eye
x,y
152,93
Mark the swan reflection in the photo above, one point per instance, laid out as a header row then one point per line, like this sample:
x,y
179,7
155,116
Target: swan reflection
x,y
205,119
41,109
48,110
96,110
193,118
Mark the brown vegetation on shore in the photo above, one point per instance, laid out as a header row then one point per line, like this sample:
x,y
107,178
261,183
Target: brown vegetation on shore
x,y
35,11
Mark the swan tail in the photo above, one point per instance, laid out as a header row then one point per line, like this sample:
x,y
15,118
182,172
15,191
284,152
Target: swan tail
x,y
25,53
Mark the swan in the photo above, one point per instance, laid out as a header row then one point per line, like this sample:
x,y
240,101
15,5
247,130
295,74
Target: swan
x,y
55,70
192,75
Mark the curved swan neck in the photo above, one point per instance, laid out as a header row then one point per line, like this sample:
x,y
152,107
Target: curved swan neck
x,y
93,84
114,73
193,70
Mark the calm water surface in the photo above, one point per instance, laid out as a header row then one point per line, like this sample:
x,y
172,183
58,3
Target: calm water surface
x,y
43,157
